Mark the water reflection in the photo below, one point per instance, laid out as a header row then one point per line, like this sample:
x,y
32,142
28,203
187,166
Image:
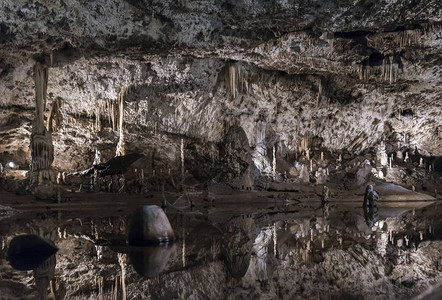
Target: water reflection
x,y
371,215
150,261
31,252
27,252
44,276
239,235
260,250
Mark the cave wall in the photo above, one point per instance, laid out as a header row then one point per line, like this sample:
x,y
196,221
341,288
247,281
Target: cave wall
x,y
345,75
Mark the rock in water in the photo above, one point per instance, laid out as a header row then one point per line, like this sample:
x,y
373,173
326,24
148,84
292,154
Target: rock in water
x,y
27,252
149,225
371,196
150,261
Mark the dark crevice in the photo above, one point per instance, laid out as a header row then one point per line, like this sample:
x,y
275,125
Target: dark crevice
x,y
351,34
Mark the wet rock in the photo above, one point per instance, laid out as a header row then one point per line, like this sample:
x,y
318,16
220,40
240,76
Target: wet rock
x,y
27,252
149,225
371,196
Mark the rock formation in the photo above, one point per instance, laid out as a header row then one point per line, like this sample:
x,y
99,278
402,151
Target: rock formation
x,y
149,225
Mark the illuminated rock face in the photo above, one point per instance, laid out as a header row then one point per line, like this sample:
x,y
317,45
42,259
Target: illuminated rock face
x,y
344,74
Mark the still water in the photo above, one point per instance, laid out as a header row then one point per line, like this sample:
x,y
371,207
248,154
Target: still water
x,y
278,250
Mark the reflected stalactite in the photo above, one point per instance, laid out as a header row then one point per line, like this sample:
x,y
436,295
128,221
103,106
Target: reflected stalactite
x,y
184,249
44,277
237,243
182,158
122,260
260,248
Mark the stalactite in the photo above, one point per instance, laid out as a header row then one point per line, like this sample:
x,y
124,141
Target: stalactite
x,y
318,98
55,117
399,39
235,80
388,71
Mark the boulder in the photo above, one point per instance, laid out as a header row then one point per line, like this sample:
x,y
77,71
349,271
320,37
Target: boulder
x,y
149,225
370,197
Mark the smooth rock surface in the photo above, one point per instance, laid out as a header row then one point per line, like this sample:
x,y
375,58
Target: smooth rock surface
x,y
149,225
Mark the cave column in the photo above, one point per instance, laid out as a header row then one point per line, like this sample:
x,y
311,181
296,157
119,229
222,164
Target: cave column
x,y
121,147
42,149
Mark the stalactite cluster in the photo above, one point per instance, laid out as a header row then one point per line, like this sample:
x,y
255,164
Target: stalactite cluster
x,y
393,40
387,72
234,80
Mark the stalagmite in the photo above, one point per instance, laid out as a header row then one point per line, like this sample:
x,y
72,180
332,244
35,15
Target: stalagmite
x,y
399,155
322,156
311,165
406,157
421,163
381,174
97,159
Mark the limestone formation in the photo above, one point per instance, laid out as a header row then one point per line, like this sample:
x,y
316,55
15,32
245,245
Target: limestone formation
x,y
218,109
381,155
42,150
237,159
325,197
370,197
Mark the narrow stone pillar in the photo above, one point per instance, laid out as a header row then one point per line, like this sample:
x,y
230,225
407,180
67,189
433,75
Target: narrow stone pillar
x,y
121,146
42,149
